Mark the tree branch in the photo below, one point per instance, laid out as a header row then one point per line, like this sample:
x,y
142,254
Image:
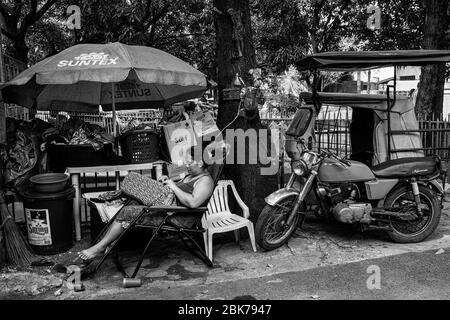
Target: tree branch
x,y
34,14
4,10
152,33
328,27
159,15
8,34
29,19
45,8
315,25
147,10
181,36
17,10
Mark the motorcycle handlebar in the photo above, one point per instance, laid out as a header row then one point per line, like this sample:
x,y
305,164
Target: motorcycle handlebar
x,y
346,162
331,154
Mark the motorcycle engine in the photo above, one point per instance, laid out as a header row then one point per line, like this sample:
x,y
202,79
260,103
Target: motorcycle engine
x,y
345,207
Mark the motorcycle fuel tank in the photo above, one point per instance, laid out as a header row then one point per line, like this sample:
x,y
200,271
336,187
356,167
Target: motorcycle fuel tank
x,y
333,171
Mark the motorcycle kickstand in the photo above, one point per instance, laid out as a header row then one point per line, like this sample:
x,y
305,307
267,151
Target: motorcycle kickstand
x,y
302,221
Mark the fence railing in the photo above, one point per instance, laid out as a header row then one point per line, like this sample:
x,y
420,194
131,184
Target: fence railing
x,y
12,67
332,131
103,119
436,137
331,128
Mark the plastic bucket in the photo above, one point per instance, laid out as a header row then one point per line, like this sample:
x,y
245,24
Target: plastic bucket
x,y
49,220
49,182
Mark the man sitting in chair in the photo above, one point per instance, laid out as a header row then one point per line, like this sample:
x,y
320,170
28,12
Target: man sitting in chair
x,y
193,191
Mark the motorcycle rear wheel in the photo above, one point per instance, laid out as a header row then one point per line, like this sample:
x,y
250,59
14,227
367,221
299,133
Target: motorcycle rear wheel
x,y
421,228
270,229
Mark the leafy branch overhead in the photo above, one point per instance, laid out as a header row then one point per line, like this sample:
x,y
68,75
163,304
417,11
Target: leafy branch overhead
x,y
284,31
19,16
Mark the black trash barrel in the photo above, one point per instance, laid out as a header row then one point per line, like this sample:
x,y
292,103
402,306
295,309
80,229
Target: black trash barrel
x,y
49,220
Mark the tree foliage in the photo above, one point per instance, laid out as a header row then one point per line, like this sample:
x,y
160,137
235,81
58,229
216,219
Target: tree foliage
x,y
184,28
286,30
19,16
401,25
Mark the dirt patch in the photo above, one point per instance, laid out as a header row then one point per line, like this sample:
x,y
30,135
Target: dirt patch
x,y
26,284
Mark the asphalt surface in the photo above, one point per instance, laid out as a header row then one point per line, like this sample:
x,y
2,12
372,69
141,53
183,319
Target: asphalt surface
x,y
423,275
323,260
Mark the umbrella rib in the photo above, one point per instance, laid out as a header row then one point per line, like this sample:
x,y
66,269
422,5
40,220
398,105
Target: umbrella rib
x,y
126,53
162,97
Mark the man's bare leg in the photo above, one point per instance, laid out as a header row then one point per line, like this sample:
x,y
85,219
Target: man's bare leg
x,y
112,234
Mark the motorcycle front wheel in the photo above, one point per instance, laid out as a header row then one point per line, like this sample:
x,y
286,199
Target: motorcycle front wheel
x,y
271,230
424,225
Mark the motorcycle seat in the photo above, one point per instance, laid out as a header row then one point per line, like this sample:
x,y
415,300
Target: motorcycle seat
x,y
405,167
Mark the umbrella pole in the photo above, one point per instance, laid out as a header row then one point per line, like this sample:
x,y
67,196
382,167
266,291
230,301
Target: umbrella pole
x,y
114,110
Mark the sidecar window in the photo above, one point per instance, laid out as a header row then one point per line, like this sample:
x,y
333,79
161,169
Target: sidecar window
x,y
300,123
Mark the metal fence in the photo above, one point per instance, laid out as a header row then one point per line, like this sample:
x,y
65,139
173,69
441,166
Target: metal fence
x,y
12,67
150,118
436,137
331,128
332,131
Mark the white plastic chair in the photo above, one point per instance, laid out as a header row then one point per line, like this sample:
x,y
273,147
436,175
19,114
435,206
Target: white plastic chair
x,y
219,219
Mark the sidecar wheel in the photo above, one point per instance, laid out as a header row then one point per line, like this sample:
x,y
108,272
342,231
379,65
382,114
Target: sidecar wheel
x,y
270,230
421,228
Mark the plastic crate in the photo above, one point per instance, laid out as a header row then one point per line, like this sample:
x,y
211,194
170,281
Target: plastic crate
x,y
140,146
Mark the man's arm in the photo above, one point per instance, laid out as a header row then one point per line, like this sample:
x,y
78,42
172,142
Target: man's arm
x,y
202,192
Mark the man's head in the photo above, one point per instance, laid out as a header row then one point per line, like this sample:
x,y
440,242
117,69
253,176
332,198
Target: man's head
x,y
193,161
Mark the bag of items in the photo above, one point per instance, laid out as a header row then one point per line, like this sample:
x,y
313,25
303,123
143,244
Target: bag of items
x,y
147,191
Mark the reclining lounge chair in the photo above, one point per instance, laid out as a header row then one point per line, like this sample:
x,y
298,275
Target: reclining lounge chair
x,y
167,216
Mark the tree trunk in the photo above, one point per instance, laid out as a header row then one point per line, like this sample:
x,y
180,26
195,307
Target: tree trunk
x,y
228,67
2,233
21,49
430,95
246,176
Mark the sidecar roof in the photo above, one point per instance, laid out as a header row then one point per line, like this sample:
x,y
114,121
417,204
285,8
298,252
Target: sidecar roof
x,y
376,102
361,60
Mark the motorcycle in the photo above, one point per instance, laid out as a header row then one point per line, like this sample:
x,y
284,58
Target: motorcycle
x,y
351,192
400,196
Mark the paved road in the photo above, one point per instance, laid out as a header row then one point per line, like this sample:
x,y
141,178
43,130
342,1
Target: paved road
x,y
323,259
423,275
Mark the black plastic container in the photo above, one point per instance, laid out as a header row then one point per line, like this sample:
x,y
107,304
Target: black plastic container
x,y
61,156
49,219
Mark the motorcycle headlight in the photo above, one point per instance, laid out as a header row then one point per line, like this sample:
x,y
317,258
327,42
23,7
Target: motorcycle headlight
x,y
299,167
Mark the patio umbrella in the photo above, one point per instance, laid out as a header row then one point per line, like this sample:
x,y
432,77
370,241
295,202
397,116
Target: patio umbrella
x,y
114,75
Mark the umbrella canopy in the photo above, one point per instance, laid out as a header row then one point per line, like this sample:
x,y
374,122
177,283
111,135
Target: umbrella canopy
x,y
128,94
376,102
113,75
357,60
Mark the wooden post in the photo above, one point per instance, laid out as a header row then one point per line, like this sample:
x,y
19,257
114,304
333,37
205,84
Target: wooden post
x,y
358,82
114,117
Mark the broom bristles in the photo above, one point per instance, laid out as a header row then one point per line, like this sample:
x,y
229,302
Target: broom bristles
x,y
17,250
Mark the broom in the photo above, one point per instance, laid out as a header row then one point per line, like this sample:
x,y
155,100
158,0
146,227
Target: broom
x,y
17,250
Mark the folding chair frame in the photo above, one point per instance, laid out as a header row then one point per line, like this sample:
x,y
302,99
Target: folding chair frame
x,y
164,225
